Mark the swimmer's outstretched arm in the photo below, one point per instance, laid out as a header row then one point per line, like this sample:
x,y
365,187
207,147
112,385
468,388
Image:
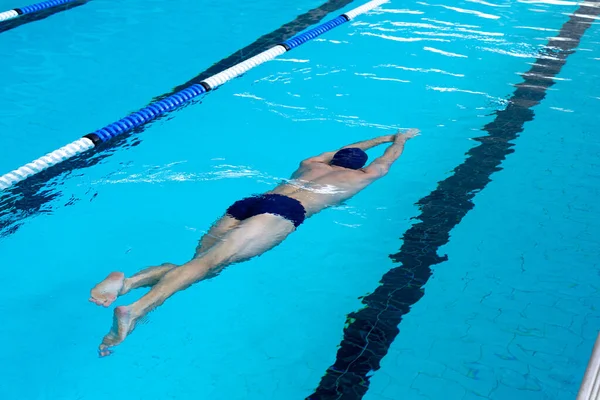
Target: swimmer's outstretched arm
x,y
368,144
380,166
363,145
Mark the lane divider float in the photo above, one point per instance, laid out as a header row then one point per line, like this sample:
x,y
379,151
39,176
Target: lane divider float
x,y
12,14
172,102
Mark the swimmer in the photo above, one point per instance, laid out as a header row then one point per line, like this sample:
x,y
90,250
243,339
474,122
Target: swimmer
x,y
250,227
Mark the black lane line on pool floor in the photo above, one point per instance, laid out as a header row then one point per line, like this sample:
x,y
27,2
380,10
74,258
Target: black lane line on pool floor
x,y
38,15
370,331
29,197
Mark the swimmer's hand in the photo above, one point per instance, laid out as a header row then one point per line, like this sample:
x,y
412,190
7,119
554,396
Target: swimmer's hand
x,y
408,134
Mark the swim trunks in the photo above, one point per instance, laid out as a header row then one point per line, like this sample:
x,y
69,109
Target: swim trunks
x,y
286,207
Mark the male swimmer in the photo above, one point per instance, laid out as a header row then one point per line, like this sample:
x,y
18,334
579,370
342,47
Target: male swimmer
x,y
250,227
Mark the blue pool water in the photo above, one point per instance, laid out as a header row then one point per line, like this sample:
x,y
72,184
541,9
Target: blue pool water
x,y
511,314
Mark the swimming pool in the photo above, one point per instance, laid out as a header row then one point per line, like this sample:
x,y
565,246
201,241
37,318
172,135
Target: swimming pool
x,y
509,314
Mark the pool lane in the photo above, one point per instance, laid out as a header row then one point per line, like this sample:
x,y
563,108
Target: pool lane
x,y
371,330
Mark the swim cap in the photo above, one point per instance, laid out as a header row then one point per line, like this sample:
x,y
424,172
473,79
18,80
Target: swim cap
x,y
351,157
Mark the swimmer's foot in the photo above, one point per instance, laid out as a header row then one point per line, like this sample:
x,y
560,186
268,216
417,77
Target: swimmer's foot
x,y
107,291
123,324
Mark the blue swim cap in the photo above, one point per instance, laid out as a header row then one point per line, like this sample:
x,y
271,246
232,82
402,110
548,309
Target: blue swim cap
x,y
351,157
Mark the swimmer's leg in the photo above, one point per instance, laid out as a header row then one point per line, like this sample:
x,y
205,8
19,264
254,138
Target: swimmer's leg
x,y
253,237
115,284
216,233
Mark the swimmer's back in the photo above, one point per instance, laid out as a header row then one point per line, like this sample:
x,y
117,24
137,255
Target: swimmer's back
x,y
318,186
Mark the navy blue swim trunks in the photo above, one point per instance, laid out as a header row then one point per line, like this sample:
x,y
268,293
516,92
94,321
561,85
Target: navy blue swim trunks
x,y
278,204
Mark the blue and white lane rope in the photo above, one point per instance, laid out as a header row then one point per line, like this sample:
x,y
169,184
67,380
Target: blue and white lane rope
x,y
168,104
11,14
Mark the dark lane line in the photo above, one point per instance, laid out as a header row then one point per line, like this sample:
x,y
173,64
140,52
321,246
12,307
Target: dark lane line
x,y
31,196
38,15
370,331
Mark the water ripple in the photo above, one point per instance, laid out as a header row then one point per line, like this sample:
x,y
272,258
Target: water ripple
x,y
446,89
444,53
377,78
485,3
294,60
562,109
460,36
594,17
473,12
163,174
519,54
550,2
536,28
424,70
496,100
554,78
317,113
484,33
450,23
398,11
403,39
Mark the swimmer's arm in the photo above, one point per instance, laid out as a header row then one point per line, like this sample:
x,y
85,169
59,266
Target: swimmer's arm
x,y
381,166
368,144
363,145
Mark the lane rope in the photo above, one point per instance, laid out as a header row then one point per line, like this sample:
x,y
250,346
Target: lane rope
x,y
12,14
174,101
